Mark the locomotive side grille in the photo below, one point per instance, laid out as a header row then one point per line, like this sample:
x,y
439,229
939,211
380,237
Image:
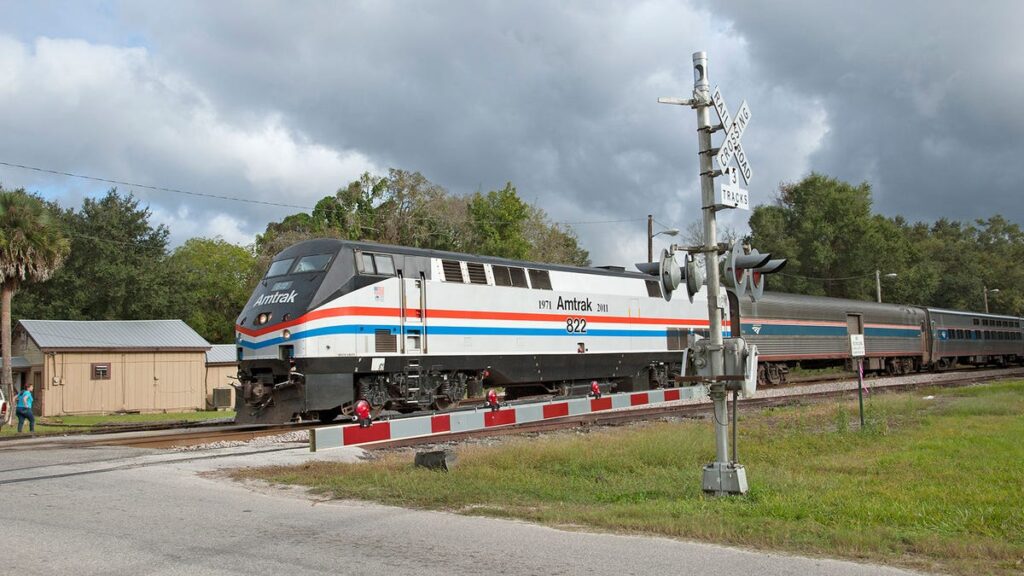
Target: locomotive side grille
x,y
476,273
540,279
501,275
385,341
518,277
452,271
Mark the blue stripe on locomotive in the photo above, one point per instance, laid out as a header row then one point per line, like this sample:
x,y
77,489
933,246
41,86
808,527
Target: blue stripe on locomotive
x,y
459,331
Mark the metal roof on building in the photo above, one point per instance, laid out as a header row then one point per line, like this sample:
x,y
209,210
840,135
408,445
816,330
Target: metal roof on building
x,y
222,354
17,362
107,334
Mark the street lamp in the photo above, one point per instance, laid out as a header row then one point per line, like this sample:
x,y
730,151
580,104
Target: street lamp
x,y
651,234
878,282
985,291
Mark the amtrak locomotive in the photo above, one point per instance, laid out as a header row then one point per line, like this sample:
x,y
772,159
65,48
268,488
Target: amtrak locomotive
x,y
335,321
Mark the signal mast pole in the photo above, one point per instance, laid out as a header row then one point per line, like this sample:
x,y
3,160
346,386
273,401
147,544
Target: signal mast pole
x,y
721,477
702,104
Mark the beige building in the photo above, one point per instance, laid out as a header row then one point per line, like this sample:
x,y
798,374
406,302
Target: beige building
x,y
81,367
221,374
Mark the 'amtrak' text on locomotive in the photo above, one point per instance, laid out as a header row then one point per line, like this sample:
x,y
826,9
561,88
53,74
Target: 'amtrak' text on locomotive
x,y
572,304
277,298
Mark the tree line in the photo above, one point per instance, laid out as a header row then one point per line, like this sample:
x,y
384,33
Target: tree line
x,y
118,265
835,243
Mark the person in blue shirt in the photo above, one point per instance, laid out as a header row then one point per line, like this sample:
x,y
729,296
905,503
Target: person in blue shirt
x,y
24,409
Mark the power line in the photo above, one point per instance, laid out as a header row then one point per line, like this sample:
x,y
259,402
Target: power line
x,y
246,200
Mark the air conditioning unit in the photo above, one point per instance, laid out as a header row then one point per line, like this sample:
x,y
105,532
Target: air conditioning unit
x,y
222,398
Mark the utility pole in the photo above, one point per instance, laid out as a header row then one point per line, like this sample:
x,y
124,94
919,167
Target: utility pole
x,y
650,237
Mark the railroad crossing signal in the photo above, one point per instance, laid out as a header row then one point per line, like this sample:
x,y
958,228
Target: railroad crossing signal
x,y
734,128
747,269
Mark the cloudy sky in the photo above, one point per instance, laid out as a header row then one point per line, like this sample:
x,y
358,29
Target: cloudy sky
x,y
285,102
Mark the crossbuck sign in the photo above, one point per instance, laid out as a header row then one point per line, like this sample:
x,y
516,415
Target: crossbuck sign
x,y
731,147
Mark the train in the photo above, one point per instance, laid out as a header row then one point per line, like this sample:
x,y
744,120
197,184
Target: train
x,y
334,321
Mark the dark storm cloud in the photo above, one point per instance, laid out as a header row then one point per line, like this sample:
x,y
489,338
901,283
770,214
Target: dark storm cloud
x,y
558,98
287,101
922,98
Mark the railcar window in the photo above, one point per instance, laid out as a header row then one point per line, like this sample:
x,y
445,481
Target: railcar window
x,y
518,277
977,334
976,321
312,263
501,276
959,334
654,290
984,322
988,334
452,271
280,267
476,273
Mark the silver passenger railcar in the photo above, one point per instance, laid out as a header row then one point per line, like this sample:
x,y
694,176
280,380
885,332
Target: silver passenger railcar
x,y
974,338
814,332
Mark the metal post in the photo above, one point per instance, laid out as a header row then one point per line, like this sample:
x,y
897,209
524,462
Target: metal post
x,y
984,293
720,477
878,284
650,238
860,388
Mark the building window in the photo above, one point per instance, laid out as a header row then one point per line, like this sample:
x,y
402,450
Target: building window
x,y
101,371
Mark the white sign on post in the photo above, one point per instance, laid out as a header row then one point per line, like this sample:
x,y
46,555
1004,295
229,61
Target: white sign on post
x,y
857,345
732,147
733,135
730,195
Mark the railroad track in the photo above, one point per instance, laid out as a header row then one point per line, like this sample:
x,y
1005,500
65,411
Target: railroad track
x,y
804,391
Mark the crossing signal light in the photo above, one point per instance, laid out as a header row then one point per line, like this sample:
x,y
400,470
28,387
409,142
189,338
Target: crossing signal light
x,y
670,275
492,400
746,269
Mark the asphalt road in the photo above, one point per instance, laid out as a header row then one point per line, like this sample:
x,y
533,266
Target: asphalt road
x,y
125,511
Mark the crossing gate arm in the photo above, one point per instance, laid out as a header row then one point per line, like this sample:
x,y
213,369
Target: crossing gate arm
x,y
340,436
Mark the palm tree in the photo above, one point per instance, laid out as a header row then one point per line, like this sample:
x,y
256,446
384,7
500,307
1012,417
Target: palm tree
x,y
32,248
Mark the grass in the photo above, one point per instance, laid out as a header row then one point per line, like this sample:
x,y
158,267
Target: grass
x,y
86,422
934,484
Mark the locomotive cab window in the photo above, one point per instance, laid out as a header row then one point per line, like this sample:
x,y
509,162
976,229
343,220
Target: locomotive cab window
x,y
280,267
377,264
540,279
312,263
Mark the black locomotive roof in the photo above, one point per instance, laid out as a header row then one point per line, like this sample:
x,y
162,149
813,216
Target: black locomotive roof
x,y
333,245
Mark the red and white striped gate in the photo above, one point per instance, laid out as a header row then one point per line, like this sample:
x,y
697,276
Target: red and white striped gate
x,y
327,437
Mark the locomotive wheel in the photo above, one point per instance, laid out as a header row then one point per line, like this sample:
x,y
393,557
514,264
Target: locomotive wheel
x,y
452,392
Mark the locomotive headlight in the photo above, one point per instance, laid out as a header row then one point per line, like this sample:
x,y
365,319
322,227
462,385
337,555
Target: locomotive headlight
x,y
263,318
286,334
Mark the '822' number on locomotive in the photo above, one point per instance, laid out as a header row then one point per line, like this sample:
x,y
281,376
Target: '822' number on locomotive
x,y
576,325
